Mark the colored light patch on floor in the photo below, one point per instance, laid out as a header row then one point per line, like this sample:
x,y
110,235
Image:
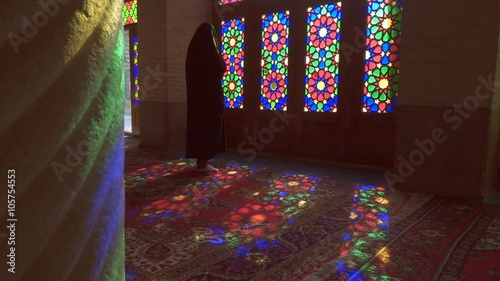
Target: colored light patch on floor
x,y
247,223
152,172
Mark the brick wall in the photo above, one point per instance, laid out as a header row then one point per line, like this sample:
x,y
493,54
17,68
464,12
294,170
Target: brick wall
x,y
152,34
165,29
183,17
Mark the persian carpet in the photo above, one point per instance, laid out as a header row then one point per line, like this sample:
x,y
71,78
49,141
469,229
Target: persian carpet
x,y
246,223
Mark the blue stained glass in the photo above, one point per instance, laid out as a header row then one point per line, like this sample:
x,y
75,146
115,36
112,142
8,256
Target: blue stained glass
x,y
274,61
322,58
233,53
382,63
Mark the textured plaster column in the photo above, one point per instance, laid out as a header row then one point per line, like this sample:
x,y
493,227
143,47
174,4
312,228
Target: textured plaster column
x,y
61,129
447,118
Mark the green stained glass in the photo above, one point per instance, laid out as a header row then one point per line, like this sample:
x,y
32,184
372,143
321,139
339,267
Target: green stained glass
x,y
382,56
322,58
135,56
274,61
233,54
129,12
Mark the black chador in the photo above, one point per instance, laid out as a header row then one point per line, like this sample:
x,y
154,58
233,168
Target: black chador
x,y
205,103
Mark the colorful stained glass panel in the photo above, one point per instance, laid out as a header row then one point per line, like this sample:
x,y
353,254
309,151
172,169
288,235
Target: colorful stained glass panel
x,y
129,12
223,2
135,64
274,61
322,58
382,56
233,53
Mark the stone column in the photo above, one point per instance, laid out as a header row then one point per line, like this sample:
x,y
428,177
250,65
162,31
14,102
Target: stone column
x,y
61,130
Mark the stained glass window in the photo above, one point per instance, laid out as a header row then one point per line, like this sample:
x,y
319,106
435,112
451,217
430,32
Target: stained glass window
x,y
233,48
223,2
382,56
322,58
135,59
274,61
129,12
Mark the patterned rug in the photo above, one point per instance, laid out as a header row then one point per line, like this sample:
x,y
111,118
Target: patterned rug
x,y
245,223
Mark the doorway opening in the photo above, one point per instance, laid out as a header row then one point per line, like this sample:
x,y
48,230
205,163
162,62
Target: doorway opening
x,y
131,68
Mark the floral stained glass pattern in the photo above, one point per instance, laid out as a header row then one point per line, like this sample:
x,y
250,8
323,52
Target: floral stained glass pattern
x,y
135,63
223,2
129,12
232,49
274,61
382,56
322,58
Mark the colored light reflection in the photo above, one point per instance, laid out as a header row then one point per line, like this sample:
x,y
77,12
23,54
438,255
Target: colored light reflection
x,y
364,247
268,210
181,204
155,171
238,207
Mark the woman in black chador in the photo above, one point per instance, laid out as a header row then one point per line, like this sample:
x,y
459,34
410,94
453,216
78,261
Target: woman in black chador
x,y
205,104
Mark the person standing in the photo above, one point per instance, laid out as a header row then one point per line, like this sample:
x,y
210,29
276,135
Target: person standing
x,y
205,101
